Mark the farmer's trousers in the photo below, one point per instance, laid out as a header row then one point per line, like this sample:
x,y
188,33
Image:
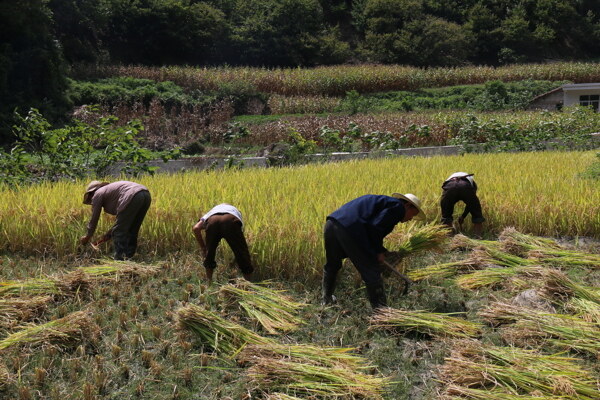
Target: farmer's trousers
x,y
339,245
126,228
455,191
228,227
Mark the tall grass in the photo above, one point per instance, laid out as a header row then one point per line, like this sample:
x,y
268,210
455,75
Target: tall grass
x,y
285,208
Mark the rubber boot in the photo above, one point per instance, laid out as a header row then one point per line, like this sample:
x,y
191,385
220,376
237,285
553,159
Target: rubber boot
x,y
376,295
328,287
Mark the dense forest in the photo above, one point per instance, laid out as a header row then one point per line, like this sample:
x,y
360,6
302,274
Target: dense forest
x,y
40,39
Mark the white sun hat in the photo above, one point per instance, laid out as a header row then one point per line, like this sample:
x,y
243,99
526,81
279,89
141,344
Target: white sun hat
x,y
414,200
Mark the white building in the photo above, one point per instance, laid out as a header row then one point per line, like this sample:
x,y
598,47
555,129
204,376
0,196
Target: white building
x,y
584,94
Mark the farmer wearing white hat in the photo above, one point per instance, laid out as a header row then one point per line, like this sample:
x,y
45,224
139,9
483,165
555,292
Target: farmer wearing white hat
x,y
460,186
356,231
129,201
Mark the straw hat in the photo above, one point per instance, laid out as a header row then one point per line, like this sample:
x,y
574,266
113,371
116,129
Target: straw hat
x,y
90,189
414,200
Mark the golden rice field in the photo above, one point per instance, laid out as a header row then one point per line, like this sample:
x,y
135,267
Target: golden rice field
x,y
284,208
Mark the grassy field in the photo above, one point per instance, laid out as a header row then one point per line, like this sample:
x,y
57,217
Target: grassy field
x,y
133,348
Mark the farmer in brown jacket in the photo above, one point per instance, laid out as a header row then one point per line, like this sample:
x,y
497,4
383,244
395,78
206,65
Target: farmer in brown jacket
x,y
129,201
223,221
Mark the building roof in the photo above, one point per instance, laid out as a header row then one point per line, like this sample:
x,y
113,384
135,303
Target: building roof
x,y
560,88
581,86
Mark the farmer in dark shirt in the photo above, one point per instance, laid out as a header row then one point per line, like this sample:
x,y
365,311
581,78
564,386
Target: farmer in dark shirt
x,y
356,231
129,201
461,186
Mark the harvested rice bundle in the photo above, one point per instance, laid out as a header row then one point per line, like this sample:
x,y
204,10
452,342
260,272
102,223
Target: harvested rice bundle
x,y
281,396
332,357
488,277
455,392
564,258
532,326
515,242
110,269
462,242
587,310
283,375
491,256
518,371
433,324
62,332
274,311
29,287
219,334
558,285
4,376
444,270
15,310
428,237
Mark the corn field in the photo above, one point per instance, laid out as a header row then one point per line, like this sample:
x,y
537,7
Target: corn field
x,y
284,209
337,80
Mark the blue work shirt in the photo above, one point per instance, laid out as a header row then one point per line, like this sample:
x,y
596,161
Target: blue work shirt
x,y
370,218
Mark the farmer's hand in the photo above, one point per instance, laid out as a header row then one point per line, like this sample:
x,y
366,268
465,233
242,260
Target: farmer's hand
x,y
85,239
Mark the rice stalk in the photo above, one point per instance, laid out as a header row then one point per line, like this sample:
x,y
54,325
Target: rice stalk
x,y
111,269
585,309
30,287
216,332
516,371
302,379
462,242
444,270
558,285
515,242
532,326
564,258
427,237
281,396
432,324
63,332
274,311
488,277
455,392
15,310
5,378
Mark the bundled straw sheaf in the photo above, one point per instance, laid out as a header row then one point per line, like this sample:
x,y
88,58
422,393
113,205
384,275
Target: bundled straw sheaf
x,y
281,396
16,310
587,310
30,287
515,242
462,242
110,269
530,326
216,332
433,324
4,376
427,237
63,332
514,371
455,392
274,311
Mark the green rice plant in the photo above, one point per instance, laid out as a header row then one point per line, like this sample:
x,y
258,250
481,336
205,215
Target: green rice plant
x,y
433,324
462,242
216,332
30,287
517,371
564,258
302,379
585,309
530,326
274,311
418,239
15,310
63,332
488,277
515,242
455,392
111,269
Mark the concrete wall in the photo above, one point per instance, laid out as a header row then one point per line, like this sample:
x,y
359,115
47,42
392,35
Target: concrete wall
x,y
548,102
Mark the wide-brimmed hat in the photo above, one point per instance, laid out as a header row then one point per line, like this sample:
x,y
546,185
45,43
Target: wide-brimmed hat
x,y
90,189
414,200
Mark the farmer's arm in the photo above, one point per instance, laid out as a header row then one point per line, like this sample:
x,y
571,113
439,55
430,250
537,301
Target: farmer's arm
x,y
197,229
91,228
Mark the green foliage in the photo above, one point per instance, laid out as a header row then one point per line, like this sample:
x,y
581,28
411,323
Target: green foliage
x,y
593,171
75,151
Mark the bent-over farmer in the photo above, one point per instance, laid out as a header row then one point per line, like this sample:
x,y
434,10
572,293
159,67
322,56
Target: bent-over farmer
x,y
129,201
461,186
356,231
223,221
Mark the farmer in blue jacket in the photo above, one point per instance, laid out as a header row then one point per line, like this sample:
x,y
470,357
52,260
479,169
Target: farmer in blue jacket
x,y
356,231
